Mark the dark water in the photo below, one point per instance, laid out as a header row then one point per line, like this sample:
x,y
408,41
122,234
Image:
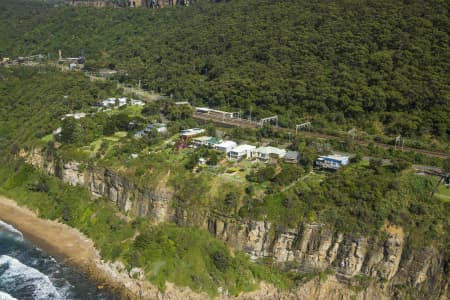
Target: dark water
x,y
27,272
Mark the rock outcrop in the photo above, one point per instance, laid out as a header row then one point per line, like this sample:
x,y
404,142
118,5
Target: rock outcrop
x,y
103,182
346,266
376,267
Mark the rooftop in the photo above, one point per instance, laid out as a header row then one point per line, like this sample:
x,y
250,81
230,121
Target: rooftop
x,y
243,147
292,155
335,157
214,140
202,138
271,150
226,144
192,131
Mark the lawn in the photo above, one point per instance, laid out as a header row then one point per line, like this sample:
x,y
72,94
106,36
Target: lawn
x,y
47,138
443,193
130,110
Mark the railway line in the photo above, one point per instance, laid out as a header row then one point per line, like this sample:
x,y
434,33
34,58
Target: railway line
x,y
253,124
234,122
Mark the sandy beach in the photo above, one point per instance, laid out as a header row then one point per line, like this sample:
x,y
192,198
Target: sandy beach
x,y
71,246
60,240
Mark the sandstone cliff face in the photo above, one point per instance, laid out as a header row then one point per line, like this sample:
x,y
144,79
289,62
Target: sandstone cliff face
x,y
376,268
355,267
102,182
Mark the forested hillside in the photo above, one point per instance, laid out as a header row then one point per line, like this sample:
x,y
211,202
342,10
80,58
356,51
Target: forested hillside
x,y
375,225
39,102
380,65
359,201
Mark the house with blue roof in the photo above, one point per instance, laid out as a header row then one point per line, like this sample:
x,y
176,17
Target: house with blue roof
x,y
332,162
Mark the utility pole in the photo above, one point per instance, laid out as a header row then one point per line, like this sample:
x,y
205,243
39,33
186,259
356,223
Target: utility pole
x,y
352,132
400,141
306,125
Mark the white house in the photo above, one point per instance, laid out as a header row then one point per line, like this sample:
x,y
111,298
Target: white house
x,y
109,102
190,133
241,151
200,141
76,116
160,128
57,131
225,146
332,161
122,101
201,161
265,153
137,102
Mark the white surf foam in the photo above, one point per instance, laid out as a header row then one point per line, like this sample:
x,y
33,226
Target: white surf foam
x,y
21,276
11,229
5,296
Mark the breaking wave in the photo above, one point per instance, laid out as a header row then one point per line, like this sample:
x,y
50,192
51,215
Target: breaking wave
x,y
11,229
5,296
22,278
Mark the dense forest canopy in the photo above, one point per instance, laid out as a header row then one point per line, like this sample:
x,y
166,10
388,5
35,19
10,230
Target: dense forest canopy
x,y
379,65
41,97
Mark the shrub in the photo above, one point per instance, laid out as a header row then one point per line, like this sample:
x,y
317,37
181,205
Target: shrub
x,y
221,260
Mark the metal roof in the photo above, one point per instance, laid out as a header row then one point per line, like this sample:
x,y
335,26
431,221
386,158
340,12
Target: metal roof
x,y
292,155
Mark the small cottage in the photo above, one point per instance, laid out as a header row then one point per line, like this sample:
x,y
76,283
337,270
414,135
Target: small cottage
x,y
265,153
292,157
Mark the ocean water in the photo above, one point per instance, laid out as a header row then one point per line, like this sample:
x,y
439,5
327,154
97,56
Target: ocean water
x,y
27,272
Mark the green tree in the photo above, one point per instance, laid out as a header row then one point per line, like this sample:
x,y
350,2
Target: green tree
x,y
446,165
231,198
213,158
70,131
221,260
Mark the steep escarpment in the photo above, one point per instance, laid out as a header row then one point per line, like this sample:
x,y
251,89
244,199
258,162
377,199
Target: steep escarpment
x,y
101,181
331,264
384,267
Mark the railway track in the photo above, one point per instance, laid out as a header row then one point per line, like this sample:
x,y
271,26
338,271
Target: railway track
x,y
252,124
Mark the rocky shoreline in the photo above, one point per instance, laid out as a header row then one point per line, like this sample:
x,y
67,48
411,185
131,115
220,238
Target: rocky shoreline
x,y
74,248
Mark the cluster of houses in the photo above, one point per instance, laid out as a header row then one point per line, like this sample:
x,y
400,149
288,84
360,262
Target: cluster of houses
x,y
107,104
194,138
119,102
233,151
